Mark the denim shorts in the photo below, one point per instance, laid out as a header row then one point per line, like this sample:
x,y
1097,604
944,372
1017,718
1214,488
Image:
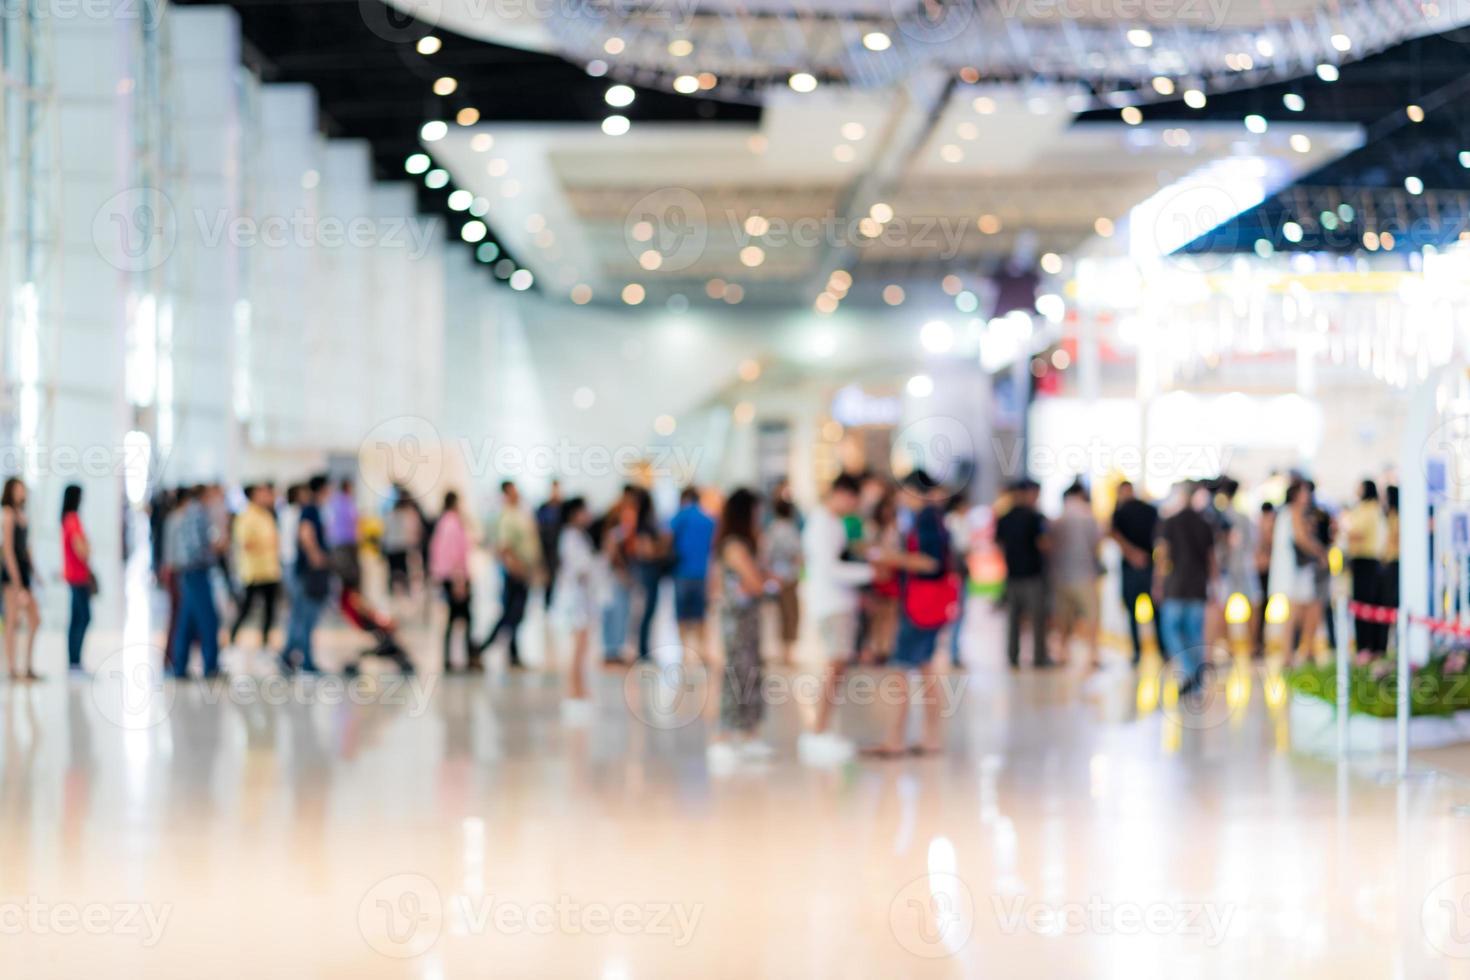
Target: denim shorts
x,y
690,600
914,647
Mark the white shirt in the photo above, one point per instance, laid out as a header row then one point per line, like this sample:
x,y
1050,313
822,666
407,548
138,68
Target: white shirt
x,y
290,523
831,583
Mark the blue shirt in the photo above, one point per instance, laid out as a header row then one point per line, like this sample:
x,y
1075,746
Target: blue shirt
x,y
694,533
310,514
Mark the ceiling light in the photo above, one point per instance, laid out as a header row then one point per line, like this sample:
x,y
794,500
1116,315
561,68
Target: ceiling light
x,y
734,293
616,125
825,303
429,44
1195,99
1292,232
893,294
1293,102
686,85
1164,85
802,82
951,284
597,68
757,225
1051,263
613,45
1140,38
1416,113
473,231
618,96
1414,185
467,116
445,85
417,163
984,105
853,131
752,255
681,47
988,224
633,294
1264,47
876,41
664,425
744,413
1051,306
487,252
881,212
521,279
967,131
1256,124
650,260
920,386
460,200
749,369
715,288
1465,159
1328,73
1342,42
1132,115
436,179
708,80
581,294
433,131
481,142
1301,143
535,222
1104,227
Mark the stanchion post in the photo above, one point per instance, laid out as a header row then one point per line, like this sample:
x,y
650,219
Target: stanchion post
x,y
1344,623
1402,634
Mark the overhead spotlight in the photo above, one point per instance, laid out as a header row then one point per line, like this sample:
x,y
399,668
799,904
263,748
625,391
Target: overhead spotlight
x,y
1051,263
1164,85
1294,102
597,68
460,200
1415,113
473,231
619,96
445,85
416,163
802,82
1264,47
877,41
1256,124
686,85
616,125
1292,232
1132,115
1328,72
633,294
1414,185
650,259
1051,306
487,252
937,337
853,131
1103,227
752,256
1465,159
467,116
613,45
681,47
582,295
429,44
708,80
893,294
521,279
433,131
920,386
984,105
881,212
1140,38
1301,143
1342,42
664,425
757,225
825,303
1195,99
988,224
436,179
951,284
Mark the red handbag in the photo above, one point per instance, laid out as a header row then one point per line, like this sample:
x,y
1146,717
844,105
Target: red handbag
x,y
930,603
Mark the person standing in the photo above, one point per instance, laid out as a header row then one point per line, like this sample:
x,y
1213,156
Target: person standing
x,y
311,581
16,573
1366,529
290,525
259,560
743,583
693,533
650,555
616,545
957,524
548,529
1134,526
882,626
832,582
197,552
76,570
403,530
341,530
575,600
1186,567
783,558
518,547
1022,534
449,565
1075,572
928,601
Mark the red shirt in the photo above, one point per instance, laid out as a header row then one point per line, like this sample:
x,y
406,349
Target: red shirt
x,y
73,569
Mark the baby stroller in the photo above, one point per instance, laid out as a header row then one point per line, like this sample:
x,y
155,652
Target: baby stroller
x,y
357,612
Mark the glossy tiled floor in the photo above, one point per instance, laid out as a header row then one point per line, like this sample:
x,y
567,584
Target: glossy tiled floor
x,y
463,828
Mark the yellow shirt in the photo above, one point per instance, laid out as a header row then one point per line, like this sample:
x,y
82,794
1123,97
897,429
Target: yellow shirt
x,y
258,542
1367,528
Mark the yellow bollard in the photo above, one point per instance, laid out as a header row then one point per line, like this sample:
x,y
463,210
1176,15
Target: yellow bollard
x,y
1150,672
1238,625
1278,625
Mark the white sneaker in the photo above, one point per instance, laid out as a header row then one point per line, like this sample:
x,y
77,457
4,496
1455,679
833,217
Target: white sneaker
x,y
824,749
756,751
721,758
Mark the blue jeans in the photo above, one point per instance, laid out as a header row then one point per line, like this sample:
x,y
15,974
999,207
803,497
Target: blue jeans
x,y
649,577
615,620
81,618
1182,628
198,620
305,611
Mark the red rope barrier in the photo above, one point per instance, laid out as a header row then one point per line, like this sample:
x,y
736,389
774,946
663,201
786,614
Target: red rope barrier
x,y
1387,614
